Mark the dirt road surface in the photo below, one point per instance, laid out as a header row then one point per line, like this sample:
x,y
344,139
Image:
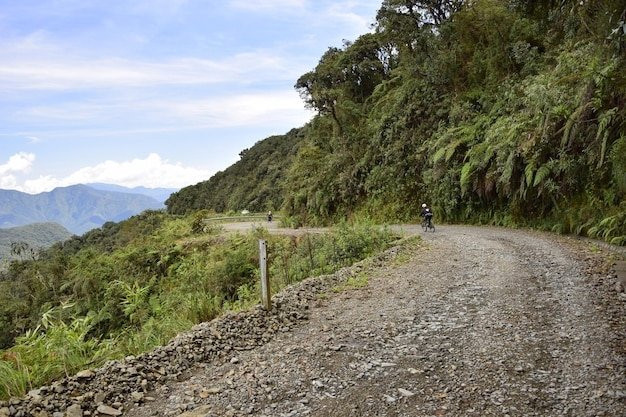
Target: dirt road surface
x,y
273,227
475,322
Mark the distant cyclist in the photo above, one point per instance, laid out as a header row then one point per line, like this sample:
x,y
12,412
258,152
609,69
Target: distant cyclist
x,y
269,216
424,210
427,218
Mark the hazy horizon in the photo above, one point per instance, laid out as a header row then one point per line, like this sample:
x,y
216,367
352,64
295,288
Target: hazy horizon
x,y
93,185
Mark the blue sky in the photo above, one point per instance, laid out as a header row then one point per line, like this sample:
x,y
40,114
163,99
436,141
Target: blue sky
x,y
154,92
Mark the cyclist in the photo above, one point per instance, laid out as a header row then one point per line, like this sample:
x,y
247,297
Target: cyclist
x,y
269,216
423,214
424,210
428,218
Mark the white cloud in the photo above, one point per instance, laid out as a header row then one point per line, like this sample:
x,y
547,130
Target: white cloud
x,y
260,109
8,182
268,5
152,171
20,162
74,73
271,108
33,139
344,12
355,14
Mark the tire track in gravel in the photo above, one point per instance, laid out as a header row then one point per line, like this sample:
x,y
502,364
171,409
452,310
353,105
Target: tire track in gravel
x,y
479,322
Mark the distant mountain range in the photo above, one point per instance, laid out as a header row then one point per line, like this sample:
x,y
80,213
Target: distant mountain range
x,y
159,194
36,236
78,208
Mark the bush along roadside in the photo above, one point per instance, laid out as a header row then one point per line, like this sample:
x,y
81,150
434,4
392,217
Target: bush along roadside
x,y
98,305
129,380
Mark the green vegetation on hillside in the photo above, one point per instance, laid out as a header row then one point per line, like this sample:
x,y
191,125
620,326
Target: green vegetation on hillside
x,y
255,183
78,208
132,286
24,242
503,112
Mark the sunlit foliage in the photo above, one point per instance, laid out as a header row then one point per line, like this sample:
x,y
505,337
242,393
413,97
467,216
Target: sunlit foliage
x,y
128,287
503,112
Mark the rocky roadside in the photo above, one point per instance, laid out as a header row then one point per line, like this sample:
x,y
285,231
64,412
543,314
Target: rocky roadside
x,y
482,322
479,322
111,389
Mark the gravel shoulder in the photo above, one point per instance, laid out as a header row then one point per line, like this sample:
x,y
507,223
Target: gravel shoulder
x,y
473,322
274,227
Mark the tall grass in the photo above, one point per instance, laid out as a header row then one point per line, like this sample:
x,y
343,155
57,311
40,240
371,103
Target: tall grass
x,y
40,355
144,293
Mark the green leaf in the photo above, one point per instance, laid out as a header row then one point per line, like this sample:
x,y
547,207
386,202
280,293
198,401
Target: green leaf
x,y
467,172
541,175
439,155
529,173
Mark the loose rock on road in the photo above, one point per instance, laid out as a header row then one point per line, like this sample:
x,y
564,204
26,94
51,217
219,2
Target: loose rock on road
x,y
476,322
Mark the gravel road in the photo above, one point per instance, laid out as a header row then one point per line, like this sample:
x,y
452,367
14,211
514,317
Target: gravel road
x,y
274,227
473,322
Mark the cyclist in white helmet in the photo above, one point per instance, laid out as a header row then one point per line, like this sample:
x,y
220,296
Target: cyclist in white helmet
x,y
427,217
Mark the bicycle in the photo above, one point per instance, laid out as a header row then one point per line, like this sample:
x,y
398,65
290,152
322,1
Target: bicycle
x,y
427,224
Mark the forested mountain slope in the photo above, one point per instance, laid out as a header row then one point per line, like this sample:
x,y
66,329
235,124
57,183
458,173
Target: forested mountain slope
x,y
159,194
504,112
33,236
255,182
78,208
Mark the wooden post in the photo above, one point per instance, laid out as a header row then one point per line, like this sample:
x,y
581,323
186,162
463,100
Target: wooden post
x,y
312,263
266,298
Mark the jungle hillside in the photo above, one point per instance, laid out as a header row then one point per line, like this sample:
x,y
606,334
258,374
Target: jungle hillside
x,y
493,112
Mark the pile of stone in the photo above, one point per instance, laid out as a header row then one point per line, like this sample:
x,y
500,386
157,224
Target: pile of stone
x,y
107,391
